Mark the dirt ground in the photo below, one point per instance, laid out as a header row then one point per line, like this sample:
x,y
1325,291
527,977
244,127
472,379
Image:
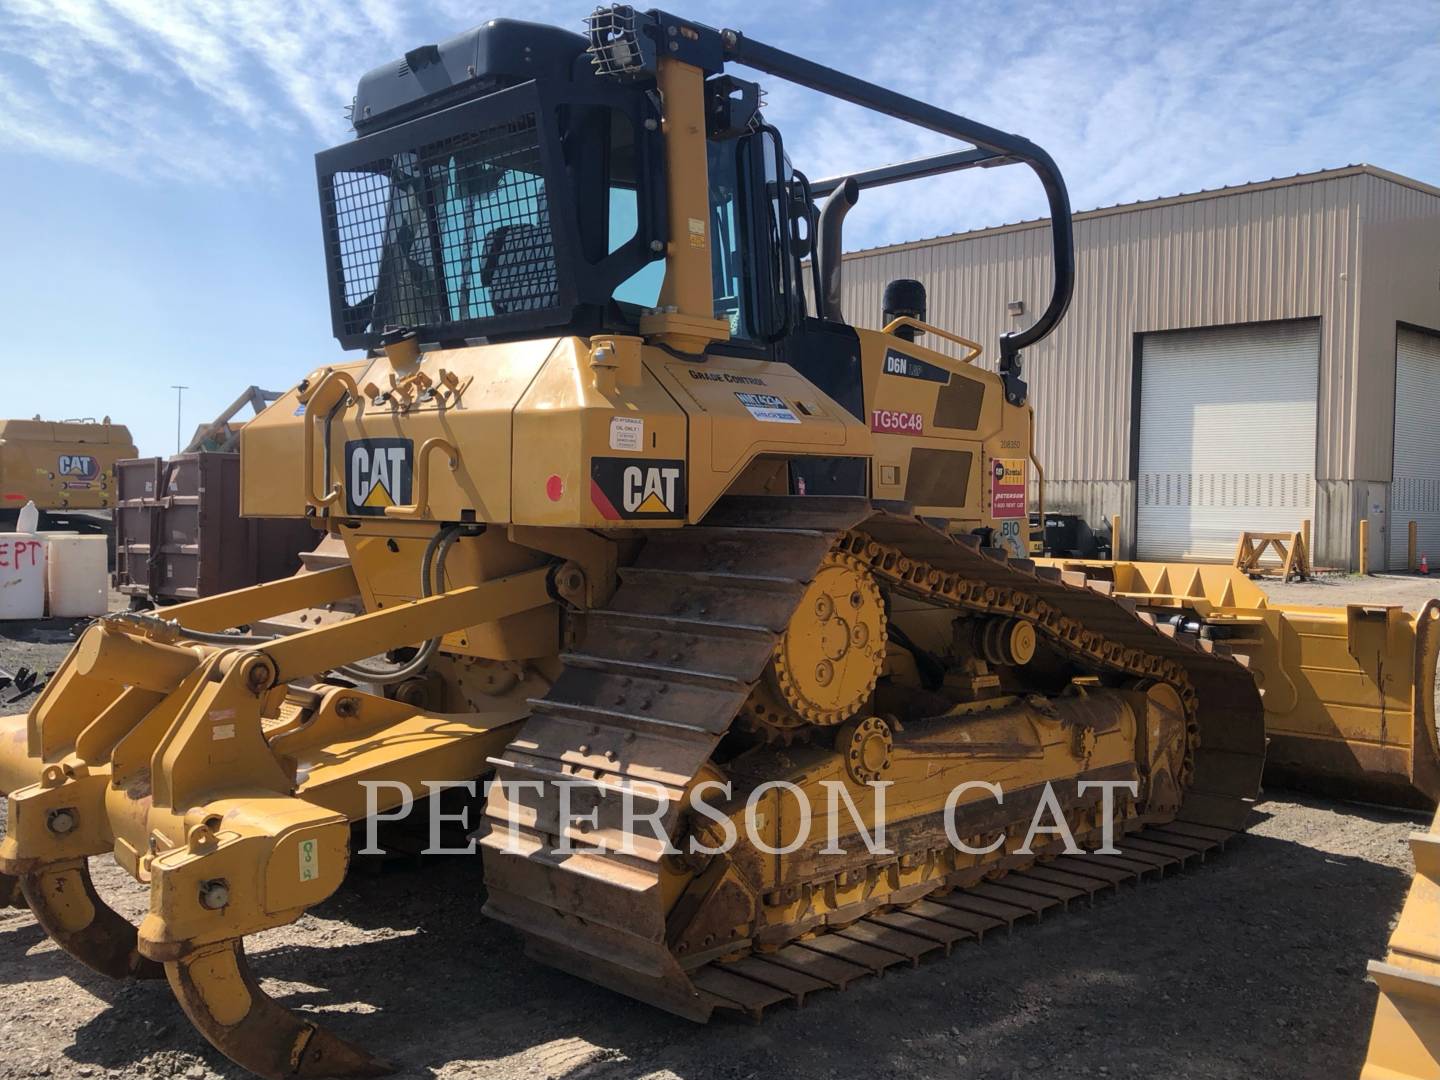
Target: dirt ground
x,y
1250,965
1411,591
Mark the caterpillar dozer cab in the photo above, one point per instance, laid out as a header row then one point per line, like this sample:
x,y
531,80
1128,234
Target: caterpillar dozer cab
x,y
633,515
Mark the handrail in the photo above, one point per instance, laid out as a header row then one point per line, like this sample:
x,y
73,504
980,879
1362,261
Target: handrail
x,y
311,397
420,507
938,165
906,320
1039,485
755,54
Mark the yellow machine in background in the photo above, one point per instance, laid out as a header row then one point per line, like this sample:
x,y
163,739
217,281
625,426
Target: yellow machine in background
x,y
1349,693
624,520
65,467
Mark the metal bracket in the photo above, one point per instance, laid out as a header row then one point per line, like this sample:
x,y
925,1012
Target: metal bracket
x,y
1017,390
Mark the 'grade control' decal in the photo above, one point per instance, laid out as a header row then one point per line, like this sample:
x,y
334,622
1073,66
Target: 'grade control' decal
x,y
725,376
378,473
625,489
908,367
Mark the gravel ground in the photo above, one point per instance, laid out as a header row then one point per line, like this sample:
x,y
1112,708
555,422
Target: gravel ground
x,y
1250,965
1409,590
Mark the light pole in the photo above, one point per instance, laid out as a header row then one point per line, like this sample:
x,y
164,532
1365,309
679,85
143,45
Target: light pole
x,y
179,393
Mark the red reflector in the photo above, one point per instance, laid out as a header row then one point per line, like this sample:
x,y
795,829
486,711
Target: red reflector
x,y
10,496
555,488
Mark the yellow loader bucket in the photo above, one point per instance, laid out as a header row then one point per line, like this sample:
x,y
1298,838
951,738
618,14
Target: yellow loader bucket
x,y
1349,693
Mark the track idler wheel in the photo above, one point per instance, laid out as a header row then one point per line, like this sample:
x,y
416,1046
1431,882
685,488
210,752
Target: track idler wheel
x,y
67,907
220,995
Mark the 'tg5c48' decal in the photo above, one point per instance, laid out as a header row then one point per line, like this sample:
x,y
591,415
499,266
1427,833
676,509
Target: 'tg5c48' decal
x,y
626,489
378,473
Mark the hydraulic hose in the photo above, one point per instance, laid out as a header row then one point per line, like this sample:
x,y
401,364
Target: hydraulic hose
x,y
145,620
207,638
432,576
433,559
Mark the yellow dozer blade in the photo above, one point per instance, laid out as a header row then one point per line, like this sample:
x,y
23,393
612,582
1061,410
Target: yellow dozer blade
x,y
1349,692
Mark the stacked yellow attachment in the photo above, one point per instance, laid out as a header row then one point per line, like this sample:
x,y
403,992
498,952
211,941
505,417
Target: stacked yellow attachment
x,y
1405,1041
1349,692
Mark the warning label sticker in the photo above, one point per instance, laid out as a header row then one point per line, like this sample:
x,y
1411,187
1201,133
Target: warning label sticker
x,y
769,408
627,433
1007,487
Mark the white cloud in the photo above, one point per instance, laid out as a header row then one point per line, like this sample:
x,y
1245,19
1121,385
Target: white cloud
x,y
1134,99
181,88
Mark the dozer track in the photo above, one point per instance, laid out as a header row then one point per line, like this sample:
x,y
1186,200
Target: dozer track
x,y
662,674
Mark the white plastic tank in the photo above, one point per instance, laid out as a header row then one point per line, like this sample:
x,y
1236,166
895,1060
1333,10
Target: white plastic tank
x,y
29,519
22,576
77,577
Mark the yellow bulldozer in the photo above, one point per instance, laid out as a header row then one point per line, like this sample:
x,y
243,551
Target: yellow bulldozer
x,y
637,526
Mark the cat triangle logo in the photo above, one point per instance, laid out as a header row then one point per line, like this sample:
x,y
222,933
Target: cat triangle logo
x,y
378,475
624,488
379,497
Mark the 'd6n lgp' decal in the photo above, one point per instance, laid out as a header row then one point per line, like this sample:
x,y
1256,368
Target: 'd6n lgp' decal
x,y
628,488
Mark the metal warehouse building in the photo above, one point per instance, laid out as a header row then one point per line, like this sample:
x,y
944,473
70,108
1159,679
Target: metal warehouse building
x,y
1245,358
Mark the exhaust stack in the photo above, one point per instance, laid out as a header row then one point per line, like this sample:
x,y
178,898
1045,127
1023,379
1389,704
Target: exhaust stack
x,y
832,221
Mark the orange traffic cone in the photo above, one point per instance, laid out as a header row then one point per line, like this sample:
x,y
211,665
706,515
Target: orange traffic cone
x,y
1424,565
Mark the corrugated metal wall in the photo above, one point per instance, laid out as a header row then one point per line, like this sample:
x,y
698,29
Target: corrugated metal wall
x,y
1415,481
1278,250
1276,253
1399,274
1399,283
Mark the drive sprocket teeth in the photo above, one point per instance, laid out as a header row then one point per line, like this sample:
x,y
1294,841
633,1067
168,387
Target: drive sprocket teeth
x,y
828,660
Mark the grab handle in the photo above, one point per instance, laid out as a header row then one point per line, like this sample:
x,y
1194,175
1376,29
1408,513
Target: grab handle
x,y
311,399
421,506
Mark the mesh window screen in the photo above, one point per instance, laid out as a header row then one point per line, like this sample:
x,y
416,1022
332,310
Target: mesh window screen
x,y
451,231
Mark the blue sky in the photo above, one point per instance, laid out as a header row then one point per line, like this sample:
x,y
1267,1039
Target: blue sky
x,y
160,224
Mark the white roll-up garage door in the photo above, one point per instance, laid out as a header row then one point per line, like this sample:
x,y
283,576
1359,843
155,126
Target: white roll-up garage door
x,y
1415,482
1227,437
